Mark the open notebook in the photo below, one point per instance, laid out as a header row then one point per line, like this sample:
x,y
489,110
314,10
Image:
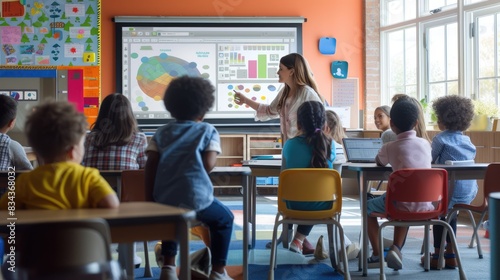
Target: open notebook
x,y
362,149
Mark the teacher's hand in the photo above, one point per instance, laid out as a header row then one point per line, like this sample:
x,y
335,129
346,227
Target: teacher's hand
x,y
239,98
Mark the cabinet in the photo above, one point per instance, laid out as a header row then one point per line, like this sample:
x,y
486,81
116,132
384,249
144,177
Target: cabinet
x,y
233,149
263,144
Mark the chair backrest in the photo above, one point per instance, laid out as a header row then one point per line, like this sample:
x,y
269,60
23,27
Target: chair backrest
x,y
133,186
417,194
491,180
299,185
75,248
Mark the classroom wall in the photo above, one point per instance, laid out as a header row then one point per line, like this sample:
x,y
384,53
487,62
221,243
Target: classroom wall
x,y
333,18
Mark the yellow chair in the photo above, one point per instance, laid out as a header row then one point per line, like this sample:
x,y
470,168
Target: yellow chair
x,y
300,185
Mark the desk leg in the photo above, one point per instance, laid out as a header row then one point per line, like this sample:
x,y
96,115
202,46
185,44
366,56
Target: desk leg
x,y
183,236
246,186
128,251
363,184
254,210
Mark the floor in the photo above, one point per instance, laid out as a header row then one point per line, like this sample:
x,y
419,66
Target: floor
x,y
474,267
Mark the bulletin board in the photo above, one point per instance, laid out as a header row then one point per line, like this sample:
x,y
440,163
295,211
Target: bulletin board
x,y
345,101
49,33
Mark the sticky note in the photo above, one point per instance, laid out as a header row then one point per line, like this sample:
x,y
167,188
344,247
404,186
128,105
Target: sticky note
x,y
88,57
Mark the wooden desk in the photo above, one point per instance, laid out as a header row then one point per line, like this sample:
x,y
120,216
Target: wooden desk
x,y
132,221
365,172
220,174
30,154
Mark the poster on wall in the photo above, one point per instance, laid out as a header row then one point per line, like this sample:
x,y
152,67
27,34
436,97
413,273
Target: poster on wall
x,y
49,33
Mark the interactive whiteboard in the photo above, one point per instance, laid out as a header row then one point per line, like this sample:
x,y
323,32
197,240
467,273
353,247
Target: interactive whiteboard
x,y
233,53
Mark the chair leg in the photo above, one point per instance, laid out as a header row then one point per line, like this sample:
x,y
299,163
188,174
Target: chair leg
x,y
475,234
147,268
272,261
425,248
347,274
331,247
381,250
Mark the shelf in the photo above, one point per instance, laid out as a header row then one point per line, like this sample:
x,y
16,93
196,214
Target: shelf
x,y
221,157
279,149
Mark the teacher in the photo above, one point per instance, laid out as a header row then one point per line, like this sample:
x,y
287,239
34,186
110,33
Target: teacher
x,y
299,87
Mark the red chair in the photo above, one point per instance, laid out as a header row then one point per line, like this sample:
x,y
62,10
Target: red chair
x,y
491,184
417,197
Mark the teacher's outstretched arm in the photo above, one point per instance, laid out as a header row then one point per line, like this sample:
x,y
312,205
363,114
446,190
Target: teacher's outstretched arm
x,y
241,99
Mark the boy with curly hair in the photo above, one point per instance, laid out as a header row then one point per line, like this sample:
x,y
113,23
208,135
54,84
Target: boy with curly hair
x,y
454,114
181,154
56,131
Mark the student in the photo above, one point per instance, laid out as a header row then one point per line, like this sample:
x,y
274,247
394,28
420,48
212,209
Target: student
x,y
381,117
56,132
420,128
407,151
299,86
454,114
311,148
12,154
334,126
115,143
334,129
180,156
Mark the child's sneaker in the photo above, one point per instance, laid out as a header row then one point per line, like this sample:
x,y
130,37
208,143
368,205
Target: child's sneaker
x,y
374,262
220,276
352,251
394,258
296,246
168,272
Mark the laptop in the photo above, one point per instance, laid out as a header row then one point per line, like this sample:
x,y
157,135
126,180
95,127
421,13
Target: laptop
x,y
362,150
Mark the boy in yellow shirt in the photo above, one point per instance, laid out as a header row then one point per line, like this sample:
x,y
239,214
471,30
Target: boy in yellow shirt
x,y
56,131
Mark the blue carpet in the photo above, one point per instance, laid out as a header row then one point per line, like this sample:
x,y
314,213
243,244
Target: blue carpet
x,y
284,271
294,271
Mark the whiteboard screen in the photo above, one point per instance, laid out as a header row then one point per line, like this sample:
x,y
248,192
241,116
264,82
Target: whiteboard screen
x,y
237,56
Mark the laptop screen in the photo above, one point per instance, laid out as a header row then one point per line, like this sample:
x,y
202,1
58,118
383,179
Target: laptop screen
x,y
362,149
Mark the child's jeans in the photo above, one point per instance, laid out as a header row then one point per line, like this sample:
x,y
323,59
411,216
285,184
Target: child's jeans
x,y
219,219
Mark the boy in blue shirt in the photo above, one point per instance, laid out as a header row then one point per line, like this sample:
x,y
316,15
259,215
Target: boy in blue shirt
x,y
454,114
180,156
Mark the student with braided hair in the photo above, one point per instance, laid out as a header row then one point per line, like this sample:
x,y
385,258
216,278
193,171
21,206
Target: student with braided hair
x,y
312,148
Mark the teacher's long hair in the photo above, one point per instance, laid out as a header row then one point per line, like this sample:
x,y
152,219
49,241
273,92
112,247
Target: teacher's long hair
x,y
311,119
302,76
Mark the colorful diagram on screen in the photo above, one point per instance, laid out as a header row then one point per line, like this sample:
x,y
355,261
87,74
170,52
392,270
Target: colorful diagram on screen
x,y
155,73
263,93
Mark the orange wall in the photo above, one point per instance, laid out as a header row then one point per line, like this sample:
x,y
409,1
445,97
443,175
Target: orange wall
x,y
333,18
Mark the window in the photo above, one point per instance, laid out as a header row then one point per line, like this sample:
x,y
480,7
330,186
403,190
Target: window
x,y
439,52
486,34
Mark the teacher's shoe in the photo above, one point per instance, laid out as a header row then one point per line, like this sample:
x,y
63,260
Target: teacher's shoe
x,y
220,276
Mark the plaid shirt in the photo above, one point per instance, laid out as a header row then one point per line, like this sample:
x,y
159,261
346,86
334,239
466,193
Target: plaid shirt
x,y
129,156
5,160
